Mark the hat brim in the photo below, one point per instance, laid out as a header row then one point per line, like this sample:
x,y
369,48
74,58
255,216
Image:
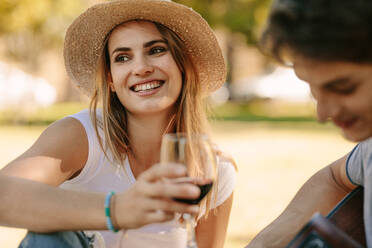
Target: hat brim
x,y
84,41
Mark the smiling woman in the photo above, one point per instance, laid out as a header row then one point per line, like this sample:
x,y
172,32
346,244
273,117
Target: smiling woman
x,y
143,74
147,66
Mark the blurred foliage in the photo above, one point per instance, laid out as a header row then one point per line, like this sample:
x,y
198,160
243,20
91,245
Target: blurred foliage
x,y
245,17
39,16
30,27
241,16
265,110
43,22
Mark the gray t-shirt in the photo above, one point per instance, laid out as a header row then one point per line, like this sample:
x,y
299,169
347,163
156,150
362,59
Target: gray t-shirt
x,y
359,171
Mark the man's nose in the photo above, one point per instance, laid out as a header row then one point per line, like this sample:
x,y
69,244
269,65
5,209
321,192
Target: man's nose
x,y
327,108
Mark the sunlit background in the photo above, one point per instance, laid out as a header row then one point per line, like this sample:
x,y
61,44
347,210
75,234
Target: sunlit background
x,y
263,115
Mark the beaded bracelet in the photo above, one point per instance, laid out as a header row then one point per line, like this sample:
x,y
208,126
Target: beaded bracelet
x,y
110,226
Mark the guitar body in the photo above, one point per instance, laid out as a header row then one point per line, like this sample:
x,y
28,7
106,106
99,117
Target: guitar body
x,y
343,227
348,216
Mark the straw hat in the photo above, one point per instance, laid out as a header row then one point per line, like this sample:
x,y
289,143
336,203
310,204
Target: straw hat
x,y
84,41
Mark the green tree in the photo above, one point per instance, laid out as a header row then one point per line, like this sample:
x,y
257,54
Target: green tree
x,y
238,16
29,27
243,16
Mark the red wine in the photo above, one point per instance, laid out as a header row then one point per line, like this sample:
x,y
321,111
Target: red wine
x,y
204,189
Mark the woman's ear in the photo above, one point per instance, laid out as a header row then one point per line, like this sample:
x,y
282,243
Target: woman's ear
x,y
109,81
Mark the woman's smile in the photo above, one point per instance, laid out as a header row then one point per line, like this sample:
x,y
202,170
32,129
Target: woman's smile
x,y
148,87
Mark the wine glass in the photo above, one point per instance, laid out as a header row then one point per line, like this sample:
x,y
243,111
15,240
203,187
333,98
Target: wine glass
x,y
196,153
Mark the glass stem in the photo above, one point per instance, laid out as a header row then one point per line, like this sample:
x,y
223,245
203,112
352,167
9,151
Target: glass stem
x,y
191,241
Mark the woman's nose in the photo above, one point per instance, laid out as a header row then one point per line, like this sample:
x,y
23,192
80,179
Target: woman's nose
x,y
142,67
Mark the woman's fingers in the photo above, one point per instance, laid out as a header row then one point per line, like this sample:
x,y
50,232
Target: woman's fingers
x,y
154,182
168,205
159,171
150,198
159,216
167,189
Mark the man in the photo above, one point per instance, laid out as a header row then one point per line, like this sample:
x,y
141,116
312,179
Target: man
x,y
329,45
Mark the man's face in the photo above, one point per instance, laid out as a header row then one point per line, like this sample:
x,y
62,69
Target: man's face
x,y
343,92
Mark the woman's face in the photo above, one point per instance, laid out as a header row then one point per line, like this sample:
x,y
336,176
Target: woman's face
x,y
144,74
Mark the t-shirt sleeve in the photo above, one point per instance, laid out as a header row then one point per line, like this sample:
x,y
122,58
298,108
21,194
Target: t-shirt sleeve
x,y
225,184
226,181
358,159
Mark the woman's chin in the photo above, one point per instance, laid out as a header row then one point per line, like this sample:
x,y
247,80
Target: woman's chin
x,y
152,109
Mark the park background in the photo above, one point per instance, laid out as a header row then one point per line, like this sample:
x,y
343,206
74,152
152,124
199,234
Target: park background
x,y
263,116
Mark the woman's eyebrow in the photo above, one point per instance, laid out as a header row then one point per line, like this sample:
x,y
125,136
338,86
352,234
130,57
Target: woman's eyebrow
x,y
147,44
121,49
150,43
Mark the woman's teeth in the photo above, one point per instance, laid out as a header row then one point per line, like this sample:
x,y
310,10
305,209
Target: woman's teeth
x,y
146,86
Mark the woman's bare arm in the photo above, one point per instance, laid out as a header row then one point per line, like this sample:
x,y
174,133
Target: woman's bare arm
x,y
58,154
43,208
211,232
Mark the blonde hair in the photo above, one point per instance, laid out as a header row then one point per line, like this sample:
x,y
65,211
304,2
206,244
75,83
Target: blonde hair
x,y
190,116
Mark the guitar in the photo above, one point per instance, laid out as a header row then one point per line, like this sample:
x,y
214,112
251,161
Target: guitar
x,y
342,227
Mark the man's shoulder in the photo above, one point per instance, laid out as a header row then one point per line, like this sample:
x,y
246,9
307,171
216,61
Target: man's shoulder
x,y
366,145
362,154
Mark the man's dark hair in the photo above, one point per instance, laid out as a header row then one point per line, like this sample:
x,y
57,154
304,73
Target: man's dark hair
x,y
328,30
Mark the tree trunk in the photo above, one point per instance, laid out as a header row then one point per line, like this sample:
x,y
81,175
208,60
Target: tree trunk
x,y
230,56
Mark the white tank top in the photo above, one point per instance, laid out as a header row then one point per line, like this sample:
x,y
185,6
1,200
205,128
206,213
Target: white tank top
x,y
100,175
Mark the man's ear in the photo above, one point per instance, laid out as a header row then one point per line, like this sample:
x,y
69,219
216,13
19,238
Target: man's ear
x,y
109,81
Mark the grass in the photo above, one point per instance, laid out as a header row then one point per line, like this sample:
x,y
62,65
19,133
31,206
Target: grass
x,y
258,111
265,111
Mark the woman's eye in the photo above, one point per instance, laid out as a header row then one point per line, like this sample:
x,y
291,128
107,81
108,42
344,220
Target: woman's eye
x,y
122,58
156,50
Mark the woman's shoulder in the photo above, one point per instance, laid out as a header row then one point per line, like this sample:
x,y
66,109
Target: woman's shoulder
x,y
73,122
64,135
227,175
82,116
68,129
63,140
224,158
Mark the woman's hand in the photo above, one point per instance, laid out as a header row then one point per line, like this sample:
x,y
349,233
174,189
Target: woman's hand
x,y
149,200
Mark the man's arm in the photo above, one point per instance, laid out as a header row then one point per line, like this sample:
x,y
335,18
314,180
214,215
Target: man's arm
x,y
319,194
